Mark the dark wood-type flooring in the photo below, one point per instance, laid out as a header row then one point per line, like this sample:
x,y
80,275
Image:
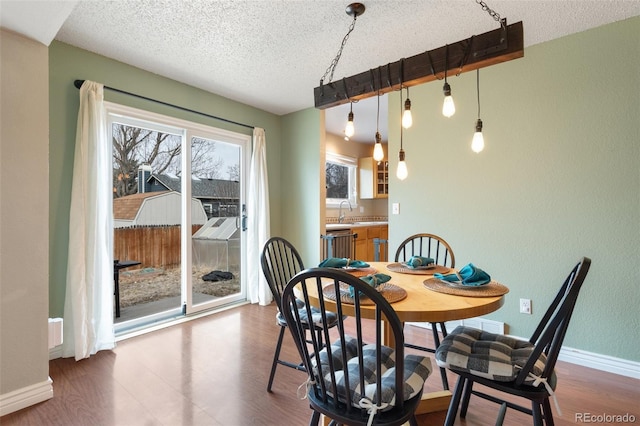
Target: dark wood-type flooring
x,y
214,371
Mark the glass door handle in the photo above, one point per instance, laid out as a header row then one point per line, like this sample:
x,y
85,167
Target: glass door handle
x,y
244,217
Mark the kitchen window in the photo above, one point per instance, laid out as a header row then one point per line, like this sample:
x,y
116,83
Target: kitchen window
x,y
340,179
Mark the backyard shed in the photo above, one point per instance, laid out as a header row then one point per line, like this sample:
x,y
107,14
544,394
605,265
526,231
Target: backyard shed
x,y
153,209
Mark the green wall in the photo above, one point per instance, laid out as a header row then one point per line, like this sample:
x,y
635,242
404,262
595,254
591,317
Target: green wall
x,y
301,173
559,179
66,64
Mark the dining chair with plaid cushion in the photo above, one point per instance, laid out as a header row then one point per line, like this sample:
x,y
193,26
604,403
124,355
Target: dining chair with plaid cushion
x,y
356,380
524,368
280,262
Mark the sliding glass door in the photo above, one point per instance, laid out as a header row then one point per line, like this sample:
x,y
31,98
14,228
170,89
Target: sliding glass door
x,y
178,197
218,162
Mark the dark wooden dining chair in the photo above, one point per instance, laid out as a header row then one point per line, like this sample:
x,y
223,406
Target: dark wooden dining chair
x,y
512,366
280,262
426,245
435,247
356,379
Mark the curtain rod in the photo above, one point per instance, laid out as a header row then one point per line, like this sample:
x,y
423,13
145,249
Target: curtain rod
x,y
78,84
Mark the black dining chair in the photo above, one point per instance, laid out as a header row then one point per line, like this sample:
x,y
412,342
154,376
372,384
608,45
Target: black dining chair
x,y
426,245
280,262
512,366
357,379
435,247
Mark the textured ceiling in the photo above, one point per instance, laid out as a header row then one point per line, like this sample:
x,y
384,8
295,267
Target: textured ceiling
x,y
272,53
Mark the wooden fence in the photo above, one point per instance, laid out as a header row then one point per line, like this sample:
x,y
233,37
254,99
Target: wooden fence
x,y
152,246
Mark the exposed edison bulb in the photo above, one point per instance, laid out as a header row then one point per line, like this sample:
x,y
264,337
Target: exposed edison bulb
x,y
349,130
378,153
448,107
402,171
477,143
407,119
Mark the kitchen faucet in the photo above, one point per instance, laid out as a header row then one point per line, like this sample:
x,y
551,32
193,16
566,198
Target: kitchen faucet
x,y
340,214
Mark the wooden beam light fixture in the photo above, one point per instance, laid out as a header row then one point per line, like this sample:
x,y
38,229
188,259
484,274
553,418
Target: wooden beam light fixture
x,y
493,47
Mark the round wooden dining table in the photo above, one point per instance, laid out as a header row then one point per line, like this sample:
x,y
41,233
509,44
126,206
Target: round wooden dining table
x,y
424,305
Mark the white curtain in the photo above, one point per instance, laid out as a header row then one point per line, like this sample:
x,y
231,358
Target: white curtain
x,y
88,307
258,230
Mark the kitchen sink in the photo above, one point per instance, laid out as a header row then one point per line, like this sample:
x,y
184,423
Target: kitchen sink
x,y
348,225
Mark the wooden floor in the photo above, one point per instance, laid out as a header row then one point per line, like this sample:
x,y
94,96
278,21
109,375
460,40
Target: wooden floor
x,y
214,371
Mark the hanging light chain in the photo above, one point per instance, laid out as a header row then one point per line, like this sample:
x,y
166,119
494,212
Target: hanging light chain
x,y
495,15
332,67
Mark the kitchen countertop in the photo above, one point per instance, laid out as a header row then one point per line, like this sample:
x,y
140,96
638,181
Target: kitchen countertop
x,y
351,225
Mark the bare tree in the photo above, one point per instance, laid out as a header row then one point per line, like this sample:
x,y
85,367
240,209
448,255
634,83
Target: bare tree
x,y
337,180
125,161
203,161
161,151
234,172
133,146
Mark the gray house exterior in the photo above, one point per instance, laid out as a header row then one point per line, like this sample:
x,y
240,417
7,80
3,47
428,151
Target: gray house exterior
x,y
219,198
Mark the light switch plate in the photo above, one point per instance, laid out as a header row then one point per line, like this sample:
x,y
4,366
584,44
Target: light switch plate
x,y
395,208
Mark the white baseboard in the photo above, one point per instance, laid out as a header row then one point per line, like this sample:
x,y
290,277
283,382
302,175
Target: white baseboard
x,y
55,352
26,397
600,362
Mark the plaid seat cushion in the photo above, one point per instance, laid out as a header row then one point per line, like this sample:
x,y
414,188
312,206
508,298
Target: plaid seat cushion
x,y
316,316
416,370
492,356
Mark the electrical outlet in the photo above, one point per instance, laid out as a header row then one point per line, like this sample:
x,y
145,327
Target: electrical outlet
x,y
525,306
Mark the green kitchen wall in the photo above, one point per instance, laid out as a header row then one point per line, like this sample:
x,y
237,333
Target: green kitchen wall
x,y
559,179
